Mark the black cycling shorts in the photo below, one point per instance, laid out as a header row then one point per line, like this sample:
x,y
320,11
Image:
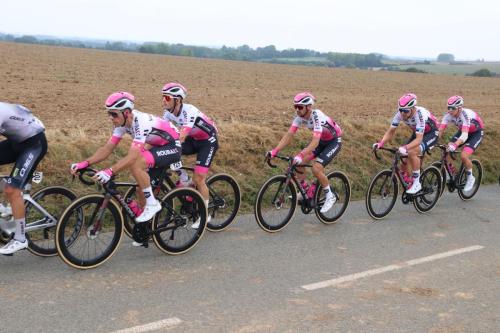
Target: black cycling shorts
x,y
473,139
26,155
205,150
327,150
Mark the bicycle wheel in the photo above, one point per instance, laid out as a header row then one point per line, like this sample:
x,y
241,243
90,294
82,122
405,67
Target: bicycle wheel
x,y
172,226
430,193
444,176
381,194
54,200
341,188
275,204
128,223
477,172
224,203
89,241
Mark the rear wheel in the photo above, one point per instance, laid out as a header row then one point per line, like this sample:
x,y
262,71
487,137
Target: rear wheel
x,y
341,188
381,194
275,203
224,203
444,176
173,230
430,193
477,172
54,200
89,241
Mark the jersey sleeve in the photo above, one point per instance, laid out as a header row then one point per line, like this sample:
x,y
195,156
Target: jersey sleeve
x,y
295,125
444,122
396,120
117,135
465,121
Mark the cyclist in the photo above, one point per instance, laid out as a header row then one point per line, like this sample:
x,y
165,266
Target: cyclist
x,y
161,137
425,134
324,146
198,135
25,146
470,133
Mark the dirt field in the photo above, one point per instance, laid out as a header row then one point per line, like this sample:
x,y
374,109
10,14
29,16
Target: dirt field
x,y
251,103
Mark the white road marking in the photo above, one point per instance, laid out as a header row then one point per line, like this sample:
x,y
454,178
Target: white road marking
x,y
157,325
371,272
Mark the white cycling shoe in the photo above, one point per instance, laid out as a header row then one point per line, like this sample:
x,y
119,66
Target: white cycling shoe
x,y
196,225
13,246
329,201
415,187
149,212
469,184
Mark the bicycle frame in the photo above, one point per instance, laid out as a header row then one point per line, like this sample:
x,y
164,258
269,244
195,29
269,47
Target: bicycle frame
x,y
453,176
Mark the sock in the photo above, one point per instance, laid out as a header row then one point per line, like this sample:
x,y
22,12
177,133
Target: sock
x,y
20,225
327,191
469,172
150,198
416,176
183,175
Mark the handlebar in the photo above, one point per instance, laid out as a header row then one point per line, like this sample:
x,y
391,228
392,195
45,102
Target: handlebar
x,y
392,150
444,148
288,159
84,173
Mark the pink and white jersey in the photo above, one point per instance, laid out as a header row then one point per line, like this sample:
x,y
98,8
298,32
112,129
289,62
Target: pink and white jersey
x,y
322,125
466,121
147,128
421,122
193,121
17,123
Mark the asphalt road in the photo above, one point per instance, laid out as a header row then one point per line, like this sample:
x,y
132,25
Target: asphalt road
x,y
437,272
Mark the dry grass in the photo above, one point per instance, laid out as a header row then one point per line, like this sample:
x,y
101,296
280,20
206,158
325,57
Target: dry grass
x,y
66,88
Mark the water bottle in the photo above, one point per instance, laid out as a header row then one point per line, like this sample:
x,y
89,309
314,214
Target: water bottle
x,y
132,204
311,191
452,169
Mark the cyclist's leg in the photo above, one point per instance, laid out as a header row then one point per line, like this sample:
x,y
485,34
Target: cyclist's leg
x,y
30,153
470,146
206,150
188,148
325,156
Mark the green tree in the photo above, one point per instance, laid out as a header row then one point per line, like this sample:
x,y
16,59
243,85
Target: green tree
x,y
446,57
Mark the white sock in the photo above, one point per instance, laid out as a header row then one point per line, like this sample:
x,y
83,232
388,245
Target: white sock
x,y
327,191
206,203
150,198
20,225
183,175
416,176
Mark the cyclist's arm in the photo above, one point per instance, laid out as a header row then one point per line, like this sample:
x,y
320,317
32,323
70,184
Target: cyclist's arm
x,y
184,133
102,153
417,141
307,151
285,140
133,154
389,134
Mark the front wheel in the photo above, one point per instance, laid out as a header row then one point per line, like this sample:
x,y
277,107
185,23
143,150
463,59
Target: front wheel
x,y
174,227
341,188
428,196
40,228
275,203
381,194
444,176
224,203
89,231
477,172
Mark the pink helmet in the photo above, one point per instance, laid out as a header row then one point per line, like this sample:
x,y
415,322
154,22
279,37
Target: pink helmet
x,y
304,98
407,101
455,101
120,100
175,90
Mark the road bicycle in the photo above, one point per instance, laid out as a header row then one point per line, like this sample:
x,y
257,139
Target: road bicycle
x,y
383,190
224,197
277,201
90,240
43,209
455,180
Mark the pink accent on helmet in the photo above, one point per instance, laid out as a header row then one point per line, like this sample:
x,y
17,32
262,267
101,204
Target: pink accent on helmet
x,y
174,89
455,101
304,98
407,100
120,100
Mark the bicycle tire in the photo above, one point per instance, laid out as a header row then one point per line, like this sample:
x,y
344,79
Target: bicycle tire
x,y
462,178
181,208
442,169
289,194
45,246
66,247
221,199
343,193
383,175
431,184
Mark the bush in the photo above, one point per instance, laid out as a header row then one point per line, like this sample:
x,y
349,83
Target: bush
x,y
483,72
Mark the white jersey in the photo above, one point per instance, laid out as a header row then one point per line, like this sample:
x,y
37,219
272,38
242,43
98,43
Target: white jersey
x,y
421,122
322,126
193,121
17,123
466,121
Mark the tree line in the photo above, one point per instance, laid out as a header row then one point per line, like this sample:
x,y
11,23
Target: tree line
x,y
244,52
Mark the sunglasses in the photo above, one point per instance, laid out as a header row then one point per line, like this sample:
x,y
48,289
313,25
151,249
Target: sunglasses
x,y
404,110
299,107
168,98
113,114
452,108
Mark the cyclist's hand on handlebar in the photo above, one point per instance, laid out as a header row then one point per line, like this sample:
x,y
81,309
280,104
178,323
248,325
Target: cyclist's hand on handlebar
x,y
297,159
376,146
103,176
272,153
403,150
451,147
78,166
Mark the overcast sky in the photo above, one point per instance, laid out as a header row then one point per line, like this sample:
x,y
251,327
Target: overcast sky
x,y
469,29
